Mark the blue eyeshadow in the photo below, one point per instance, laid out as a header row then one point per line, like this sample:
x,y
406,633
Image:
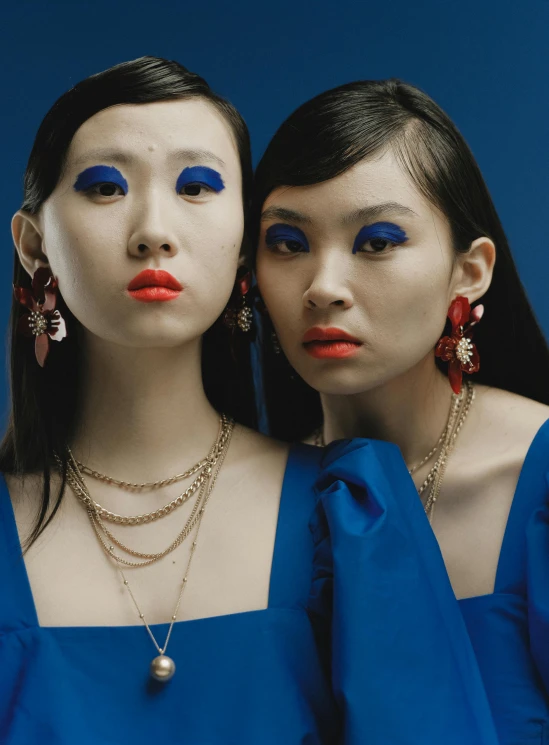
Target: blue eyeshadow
x,y
200,175
100,175
280,233
386,230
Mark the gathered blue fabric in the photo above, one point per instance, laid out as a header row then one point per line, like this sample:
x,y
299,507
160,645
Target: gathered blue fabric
x,y
362,642
377,561
509,628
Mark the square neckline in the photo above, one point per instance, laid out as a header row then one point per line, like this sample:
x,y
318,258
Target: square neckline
x,y
512,526
30,614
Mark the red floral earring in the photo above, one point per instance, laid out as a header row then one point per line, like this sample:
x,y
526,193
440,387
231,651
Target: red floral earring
x,y
43,322
457,349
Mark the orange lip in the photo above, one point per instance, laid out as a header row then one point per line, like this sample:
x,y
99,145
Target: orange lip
x,y
154,285
330,343
317,333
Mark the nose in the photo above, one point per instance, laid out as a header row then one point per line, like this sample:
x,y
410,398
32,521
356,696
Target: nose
x,y
152,235
328,288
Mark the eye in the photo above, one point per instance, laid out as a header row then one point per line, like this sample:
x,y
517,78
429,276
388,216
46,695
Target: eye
x,y
379,239
199,181
287,247
376,246
101,181
106,189
286,240
194,189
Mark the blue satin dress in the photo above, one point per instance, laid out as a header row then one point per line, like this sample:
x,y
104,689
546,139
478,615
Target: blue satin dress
x,y
509,628
362,642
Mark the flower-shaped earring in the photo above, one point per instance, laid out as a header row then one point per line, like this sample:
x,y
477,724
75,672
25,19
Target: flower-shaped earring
x,y
43,322
457,349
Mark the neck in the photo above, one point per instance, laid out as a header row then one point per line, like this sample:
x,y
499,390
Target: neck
x,y
410,411
144,413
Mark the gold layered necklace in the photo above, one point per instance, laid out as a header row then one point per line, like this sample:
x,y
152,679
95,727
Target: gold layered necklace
x,y
459,409
162,667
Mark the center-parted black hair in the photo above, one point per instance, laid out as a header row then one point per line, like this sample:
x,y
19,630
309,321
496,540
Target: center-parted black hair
x,y
45,402
333,132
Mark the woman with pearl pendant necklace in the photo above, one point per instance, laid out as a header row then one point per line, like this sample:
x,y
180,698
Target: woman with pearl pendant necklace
x,y
184,578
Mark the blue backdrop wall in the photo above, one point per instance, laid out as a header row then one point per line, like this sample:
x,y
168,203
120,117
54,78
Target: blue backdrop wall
x,y
485,61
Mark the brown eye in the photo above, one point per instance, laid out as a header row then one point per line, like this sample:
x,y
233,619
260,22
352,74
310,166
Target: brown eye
x,y
106,189
193,190
379,244
376,246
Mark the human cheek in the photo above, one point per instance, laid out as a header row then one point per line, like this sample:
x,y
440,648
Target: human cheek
x,y
85,255
212,254
406,313
281,294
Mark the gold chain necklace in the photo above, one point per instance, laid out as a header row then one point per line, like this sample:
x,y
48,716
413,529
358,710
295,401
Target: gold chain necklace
x,y
149,517
459,409
466,401
162,667
75,476
80,490
138,487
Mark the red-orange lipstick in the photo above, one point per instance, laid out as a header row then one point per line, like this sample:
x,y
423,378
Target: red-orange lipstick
x,y
330,343
154,285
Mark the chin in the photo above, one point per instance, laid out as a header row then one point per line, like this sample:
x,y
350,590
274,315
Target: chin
x,y
149,333
341,382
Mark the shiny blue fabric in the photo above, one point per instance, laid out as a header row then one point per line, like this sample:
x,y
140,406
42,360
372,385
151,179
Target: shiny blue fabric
x,y
509,628
361,643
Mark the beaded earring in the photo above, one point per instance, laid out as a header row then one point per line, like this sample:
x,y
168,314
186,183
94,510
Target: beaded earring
x,y
240,316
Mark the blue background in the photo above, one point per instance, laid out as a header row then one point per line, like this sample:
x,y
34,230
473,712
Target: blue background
x,y
484,61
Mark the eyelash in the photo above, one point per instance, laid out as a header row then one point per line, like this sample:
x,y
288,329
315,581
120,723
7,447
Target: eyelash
x,y
206,187
94,190
275,247
389,247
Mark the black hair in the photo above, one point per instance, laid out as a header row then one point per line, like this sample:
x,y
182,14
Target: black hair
x,y
334,131
45,402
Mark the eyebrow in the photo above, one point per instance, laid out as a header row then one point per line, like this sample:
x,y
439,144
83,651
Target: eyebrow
x,y
192,155
364,214
282,213
375,211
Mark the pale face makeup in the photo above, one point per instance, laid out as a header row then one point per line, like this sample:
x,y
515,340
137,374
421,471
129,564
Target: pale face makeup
x,y
147,187
356,274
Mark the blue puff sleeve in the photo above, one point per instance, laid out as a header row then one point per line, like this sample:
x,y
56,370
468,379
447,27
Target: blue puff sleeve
x,y
402,665
537,537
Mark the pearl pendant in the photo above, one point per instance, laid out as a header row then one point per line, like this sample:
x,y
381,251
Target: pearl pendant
x,y
162,668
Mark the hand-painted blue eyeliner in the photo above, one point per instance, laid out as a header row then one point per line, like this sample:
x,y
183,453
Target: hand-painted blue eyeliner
x,y
100,175
386,230
200,175
280,233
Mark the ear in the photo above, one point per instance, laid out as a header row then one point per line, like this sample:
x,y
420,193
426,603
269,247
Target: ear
x,y
473,270
27,236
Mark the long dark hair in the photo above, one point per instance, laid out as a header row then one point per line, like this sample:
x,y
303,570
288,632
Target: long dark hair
x,y
337,129
45,402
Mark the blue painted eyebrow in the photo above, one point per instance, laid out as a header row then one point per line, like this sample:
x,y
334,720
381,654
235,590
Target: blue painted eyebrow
x,y
200,175
100,175
281,232
387,230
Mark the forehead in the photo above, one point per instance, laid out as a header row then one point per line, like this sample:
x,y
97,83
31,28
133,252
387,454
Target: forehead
x,y
371,181
157,128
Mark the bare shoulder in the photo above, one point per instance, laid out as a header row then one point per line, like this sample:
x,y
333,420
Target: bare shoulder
x,y
503,424
255,452
510,414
